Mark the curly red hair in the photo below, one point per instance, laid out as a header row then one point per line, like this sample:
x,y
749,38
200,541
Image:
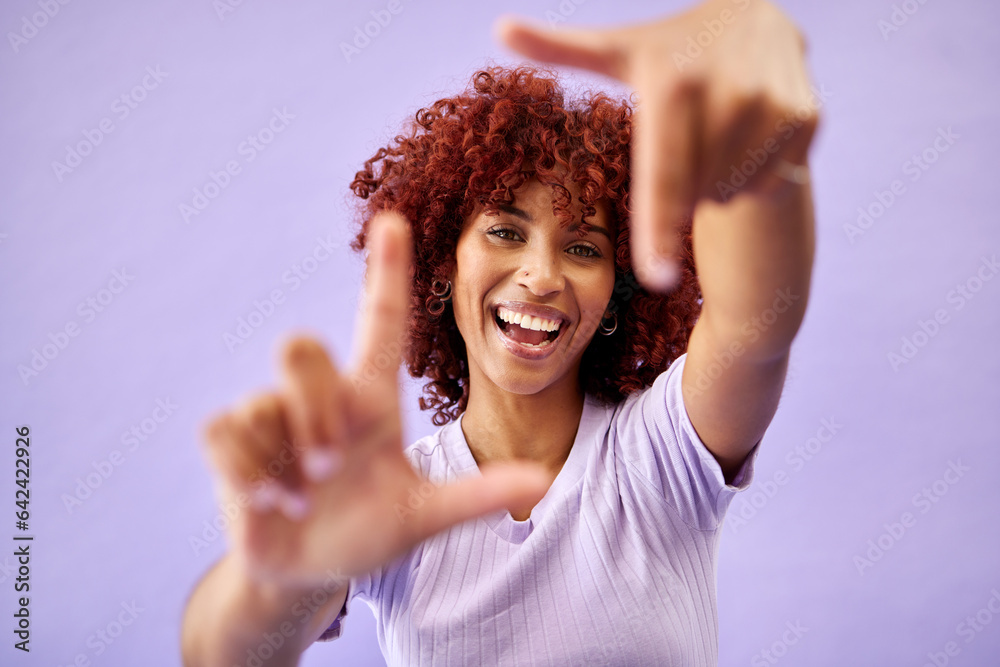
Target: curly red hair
x,y
509,125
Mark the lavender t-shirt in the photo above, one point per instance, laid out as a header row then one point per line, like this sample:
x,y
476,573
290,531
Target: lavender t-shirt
x,y
615,566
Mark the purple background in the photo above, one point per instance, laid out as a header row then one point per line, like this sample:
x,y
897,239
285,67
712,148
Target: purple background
x,y
793,561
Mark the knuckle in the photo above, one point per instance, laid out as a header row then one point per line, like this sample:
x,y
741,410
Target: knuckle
x,y
261,413
739,109
803,42
811,120
387,309
301,351
214,429
750,100
683,88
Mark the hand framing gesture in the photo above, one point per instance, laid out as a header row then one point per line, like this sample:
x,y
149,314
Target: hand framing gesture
x,y
335,502
718,85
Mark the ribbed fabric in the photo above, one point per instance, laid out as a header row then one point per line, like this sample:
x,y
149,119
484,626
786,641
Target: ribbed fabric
x,y
615,566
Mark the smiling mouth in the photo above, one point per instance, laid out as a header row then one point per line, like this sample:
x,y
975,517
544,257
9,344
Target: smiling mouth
x,y
526,336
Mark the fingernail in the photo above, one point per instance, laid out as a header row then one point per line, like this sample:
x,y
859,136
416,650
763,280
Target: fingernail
x,y
319,464
264,498
662,273
293,504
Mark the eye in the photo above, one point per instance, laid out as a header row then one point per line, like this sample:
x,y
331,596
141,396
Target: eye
x,y
505,233
591,251
583,250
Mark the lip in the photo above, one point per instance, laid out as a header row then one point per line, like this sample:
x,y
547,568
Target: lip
x,y
519,349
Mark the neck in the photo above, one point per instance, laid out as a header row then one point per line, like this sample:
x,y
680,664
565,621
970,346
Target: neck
x,y
503,426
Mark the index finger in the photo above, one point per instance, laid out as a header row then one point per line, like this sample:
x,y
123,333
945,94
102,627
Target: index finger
x,y
382,328
664,158
599,50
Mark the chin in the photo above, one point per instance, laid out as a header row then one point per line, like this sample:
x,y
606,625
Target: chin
x,y
526,381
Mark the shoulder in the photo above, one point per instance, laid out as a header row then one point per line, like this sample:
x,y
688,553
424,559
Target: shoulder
x,y
654,440
663,398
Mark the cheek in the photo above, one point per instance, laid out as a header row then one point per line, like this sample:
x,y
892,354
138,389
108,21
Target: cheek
x,y
467,302
474,281
461,304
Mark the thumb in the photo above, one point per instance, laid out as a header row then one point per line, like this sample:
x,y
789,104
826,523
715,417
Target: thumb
x,y
514,485
596,50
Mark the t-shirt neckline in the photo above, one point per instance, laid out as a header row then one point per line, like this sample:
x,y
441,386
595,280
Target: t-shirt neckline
x,y
500,521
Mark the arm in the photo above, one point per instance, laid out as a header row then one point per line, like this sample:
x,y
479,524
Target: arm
x,y
228,615
713,135
330,512
754,256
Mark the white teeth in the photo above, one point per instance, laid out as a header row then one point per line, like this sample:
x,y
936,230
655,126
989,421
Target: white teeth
x,y
527,321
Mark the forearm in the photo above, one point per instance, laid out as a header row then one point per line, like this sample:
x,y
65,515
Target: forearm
x,y
754,257
229,618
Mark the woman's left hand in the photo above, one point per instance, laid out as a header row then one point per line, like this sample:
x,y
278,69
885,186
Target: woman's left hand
x,y
725,106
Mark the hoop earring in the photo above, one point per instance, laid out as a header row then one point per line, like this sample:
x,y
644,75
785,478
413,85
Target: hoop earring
x,y
604,329
441,292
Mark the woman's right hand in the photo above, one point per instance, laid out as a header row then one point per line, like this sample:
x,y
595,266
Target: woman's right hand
x,y
322,458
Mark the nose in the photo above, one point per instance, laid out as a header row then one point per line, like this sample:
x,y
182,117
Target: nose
x,y
541,273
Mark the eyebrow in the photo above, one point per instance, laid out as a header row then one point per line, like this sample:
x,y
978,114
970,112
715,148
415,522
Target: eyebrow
x,y
524,215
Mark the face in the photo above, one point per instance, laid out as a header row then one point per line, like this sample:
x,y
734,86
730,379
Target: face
x,y
522,263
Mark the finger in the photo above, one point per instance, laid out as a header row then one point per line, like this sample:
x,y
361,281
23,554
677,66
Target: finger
x,y
312,403
261,429
595,50
382,328
514,485
234,460
665,165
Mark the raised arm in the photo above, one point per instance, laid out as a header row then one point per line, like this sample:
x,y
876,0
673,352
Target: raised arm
x,y
722,131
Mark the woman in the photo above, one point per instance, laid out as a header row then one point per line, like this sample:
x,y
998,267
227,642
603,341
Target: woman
x,y
593,431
